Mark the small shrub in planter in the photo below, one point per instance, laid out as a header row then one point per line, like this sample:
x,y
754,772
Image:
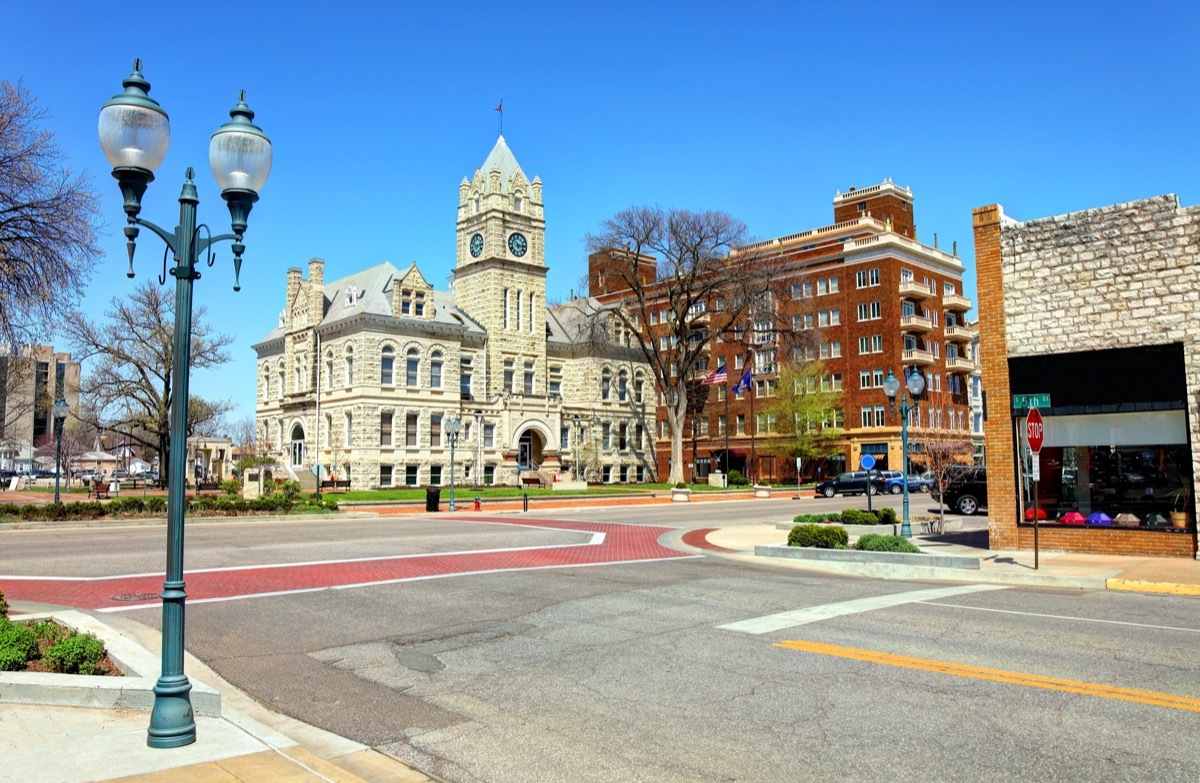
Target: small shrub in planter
x,y
119,506
76,654
873,542
808,519
3,605
736,479
156,505
856,516
17,645
819,536
887,515
231,487
680,485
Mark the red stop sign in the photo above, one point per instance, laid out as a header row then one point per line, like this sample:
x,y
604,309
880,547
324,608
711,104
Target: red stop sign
x,y
1034,431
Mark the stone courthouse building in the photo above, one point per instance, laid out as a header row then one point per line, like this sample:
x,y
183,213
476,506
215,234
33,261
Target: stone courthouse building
x,y
1095,312
363,374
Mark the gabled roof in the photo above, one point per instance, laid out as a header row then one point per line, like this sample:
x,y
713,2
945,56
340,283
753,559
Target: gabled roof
x,y
572,323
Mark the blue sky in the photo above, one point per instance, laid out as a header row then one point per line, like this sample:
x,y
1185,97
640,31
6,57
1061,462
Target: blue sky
x,y
377,111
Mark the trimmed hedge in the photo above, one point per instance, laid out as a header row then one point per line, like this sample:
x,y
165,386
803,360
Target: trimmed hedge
x,y
819,536
17,645
77,654
873,542
204,505
810,519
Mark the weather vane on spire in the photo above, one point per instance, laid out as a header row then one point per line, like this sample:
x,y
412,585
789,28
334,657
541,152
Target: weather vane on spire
x,y
500,108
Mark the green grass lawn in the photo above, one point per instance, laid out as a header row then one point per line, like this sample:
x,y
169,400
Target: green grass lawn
x,y
465,493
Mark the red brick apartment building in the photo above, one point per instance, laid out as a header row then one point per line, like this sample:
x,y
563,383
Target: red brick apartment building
x,y
878,300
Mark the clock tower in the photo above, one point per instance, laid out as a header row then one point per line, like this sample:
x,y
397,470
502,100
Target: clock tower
x,y
500,265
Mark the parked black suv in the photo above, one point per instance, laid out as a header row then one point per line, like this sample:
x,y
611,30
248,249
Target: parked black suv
x,y
853,482
963,489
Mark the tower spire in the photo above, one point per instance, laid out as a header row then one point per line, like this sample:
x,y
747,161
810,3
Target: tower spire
x,y
500,108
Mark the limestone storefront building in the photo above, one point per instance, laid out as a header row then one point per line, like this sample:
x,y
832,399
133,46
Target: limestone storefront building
x,y
1096,311
362,374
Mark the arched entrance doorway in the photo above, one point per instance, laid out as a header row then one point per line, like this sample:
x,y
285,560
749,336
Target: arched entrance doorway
x,y
529,450
298,452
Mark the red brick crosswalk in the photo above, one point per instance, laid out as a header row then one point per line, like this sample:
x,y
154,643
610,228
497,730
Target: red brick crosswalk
x,y
614,543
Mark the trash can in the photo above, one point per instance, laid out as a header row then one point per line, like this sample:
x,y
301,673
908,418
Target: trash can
x,y
433,496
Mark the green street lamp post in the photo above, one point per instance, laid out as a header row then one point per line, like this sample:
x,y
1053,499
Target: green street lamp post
x,y
453,427
61,409
135,132
915,383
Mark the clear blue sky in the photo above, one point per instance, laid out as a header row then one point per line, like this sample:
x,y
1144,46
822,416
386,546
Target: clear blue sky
x,y
378,110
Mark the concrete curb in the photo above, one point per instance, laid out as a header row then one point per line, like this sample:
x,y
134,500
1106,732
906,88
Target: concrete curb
x,y
855,556
1168,588
148,521
134,691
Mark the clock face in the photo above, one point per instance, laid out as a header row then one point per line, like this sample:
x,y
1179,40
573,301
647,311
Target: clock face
x,y
517,244
476,245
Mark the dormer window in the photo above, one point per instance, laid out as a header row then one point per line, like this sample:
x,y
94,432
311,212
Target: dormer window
x,y
476,206
406,302
351,296
518,204
419,304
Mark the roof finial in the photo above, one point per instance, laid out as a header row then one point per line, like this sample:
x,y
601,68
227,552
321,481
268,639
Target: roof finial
x,y
500,108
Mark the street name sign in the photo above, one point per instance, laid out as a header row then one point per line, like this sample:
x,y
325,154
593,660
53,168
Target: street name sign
x,y
1021,401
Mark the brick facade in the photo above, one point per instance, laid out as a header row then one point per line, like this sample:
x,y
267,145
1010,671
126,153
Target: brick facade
x,y
874,239
1121,276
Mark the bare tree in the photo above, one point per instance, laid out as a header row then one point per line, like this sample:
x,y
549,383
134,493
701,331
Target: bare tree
x,y
129,389
48,224
938,448
685,284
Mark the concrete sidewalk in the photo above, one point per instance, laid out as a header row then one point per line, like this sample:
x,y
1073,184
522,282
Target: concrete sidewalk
x,y
49,743
1168,575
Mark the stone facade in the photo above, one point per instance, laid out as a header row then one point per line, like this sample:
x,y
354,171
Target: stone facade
x,y
1121,276
363,373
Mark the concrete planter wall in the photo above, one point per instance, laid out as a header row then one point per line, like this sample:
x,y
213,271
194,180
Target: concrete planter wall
x,y
761,491
680,495
855,556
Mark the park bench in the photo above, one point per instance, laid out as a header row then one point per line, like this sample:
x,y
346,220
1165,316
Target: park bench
x,y
533,481
101,490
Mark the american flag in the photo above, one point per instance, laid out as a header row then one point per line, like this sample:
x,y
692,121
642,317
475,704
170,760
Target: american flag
x,y
719,375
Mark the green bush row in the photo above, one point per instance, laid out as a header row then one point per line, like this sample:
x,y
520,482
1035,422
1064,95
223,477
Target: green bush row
x,y
67,652
820,536
872,542
851,516
736,479
131,506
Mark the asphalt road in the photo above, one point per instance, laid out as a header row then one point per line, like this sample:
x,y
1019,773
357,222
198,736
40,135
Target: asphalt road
x,y
625,671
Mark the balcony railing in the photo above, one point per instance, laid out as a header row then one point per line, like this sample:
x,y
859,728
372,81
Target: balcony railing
x,y
958,333
959,364
915,323
911,289
918,356
956,302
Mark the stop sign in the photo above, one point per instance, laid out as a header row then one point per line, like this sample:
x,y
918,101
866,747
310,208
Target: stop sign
x,y
1034,430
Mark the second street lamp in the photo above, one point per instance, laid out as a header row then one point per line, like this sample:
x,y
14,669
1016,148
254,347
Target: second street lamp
x,y
135,132
915,382
60,414
453,427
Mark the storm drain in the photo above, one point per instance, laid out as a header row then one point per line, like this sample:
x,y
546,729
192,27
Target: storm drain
x,y
135,597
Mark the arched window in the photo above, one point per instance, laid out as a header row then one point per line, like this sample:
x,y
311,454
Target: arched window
x,y
412,363
623,386
266,383
349,365
299,379
329,369
280,375
639,384
435,370
387,361
606,384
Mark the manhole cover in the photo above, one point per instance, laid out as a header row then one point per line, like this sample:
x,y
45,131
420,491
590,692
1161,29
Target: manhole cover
x,y
136,597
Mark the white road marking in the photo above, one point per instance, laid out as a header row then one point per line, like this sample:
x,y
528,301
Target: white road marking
x,y
1076,619
812,614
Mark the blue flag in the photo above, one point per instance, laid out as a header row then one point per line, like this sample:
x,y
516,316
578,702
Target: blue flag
x,y
743,384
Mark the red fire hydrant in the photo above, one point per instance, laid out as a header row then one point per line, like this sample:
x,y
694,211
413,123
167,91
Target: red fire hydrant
x,y
477,506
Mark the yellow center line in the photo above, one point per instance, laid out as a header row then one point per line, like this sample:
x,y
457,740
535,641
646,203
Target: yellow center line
x,y
998,675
